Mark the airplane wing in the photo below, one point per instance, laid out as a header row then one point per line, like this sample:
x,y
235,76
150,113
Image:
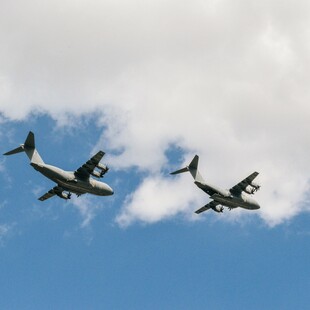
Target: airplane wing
x,y
89,167
237,189
49,194
57,190
210,205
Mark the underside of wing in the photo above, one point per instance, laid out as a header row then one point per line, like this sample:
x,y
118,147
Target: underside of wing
x,y
245,184
211,205
57,190
48,195
89,167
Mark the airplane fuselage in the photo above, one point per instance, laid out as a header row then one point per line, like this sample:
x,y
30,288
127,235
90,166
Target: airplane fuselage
x,y
69,182
226,198
242,201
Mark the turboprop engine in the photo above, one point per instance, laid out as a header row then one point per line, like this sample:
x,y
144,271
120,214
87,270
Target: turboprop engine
x,y
97,174
218,208
250,189
63,195
103,169
255,185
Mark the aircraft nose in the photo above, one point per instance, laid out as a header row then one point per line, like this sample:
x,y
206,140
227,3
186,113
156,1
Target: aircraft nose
x,y
253,204
257,206
110,190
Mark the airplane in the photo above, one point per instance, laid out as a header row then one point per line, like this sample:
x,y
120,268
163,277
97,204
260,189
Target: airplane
x,y
232,198
78,182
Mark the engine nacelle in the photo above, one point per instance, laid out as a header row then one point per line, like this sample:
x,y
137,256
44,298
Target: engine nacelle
x,y
255,185
64,195
97,174
218,208
250,189
102,167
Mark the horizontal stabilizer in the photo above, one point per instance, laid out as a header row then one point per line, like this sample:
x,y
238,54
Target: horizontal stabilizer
x,y
15,151
180,171
29,148
193,169
192,166
29,144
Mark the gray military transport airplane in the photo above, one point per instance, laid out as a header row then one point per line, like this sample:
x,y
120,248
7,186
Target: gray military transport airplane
x,y
232,198
78,181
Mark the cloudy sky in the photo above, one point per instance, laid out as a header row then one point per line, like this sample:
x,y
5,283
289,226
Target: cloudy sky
x,y
152,83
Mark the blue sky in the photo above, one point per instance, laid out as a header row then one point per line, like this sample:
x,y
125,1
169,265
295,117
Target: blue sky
x,y
152,84
49,260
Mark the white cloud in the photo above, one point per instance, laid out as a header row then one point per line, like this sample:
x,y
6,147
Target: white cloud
x,y
226,79
157,198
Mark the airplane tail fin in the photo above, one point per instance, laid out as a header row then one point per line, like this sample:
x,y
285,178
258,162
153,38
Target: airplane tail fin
x,y
29,148
193,169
